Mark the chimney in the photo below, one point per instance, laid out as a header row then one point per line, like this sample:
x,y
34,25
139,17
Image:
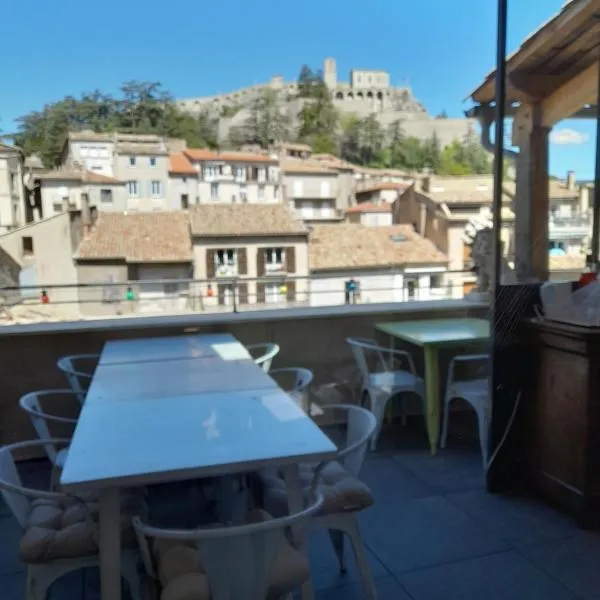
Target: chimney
x,y
86,219
426,184
571,180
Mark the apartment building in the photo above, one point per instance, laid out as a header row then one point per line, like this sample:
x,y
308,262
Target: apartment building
x,y
63,189
259,250
184,183
153,250
44,251
233,177
12,190
570,219
379,191
441,208
140,161
312,190
387,264
371,214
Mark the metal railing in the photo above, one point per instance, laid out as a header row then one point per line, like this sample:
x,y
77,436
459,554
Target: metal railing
x,y
222,294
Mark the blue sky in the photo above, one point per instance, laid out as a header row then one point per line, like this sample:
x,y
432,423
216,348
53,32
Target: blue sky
x,y
442,48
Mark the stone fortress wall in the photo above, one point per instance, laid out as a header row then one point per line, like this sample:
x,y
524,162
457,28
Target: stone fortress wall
x,y
367,92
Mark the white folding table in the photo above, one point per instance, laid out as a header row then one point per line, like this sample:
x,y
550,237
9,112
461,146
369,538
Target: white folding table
x,y
222,345
148,438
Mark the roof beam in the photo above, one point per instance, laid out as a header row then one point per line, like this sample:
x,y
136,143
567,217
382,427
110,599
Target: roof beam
x,y
535,86
571,97
572,16
589,112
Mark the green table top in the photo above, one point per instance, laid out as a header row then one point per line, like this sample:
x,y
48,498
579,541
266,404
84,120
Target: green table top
x,y
439,332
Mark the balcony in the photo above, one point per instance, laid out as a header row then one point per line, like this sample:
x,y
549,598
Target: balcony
x,y
573,227
434,533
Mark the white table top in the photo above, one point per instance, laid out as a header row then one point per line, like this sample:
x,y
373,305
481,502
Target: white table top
x,y
173,347
183,419
142,380
183,437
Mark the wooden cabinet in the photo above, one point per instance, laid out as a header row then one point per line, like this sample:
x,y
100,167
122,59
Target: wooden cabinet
x,y
563,413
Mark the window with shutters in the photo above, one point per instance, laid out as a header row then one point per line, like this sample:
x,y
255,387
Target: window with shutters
x,y
274,260
226,263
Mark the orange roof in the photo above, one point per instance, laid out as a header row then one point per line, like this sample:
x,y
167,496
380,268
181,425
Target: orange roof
x,y
180,165
206,154
365,207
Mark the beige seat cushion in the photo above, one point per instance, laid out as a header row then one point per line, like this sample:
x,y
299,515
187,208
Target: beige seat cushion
x,y
182,576
341,491
67,527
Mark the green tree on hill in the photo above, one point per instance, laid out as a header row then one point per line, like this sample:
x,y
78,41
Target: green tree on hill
x,y
318,118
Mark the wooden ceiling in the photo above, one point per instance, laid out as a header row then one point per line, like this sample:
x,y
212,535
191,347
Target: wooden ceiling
x,y
560,50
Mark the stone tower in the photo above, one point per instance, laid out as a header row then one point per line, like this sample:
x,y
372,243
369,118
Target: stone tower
x,y
330,73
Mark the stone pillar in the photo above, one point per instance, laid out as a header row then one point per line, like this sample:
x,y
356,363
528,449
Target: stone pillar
x,y
531,198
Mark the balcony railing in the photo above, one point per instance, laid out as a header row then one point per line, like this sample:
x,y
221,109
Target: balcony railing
x,y
224,293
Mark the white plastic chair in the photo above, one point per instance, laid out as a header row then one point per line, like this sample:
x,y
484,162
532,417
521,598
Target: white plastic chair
x,y
385,374
40,420
263,354
299,391
339,513
40,576
473,391
79,370
227,563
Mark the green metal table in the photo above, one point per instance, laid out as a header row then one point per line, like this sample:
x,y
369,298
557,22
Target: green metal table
x,y
431,335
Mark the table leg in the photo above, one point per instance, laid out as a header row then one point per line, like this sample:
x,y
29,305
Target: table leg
x,y
109,508
432,396
293,485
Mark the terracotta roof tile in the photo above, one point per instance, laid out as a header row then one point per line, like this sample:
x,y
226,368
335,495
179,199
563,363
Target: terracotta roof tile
x,y
469,196
79,175
559,189
353,246
382,186
139,237
149,148
201,154
180,165
216,220
365,207
309,167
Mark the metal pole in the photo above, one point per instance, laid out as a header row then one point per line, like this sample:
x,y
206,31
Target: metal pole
x,y
500,111
596,210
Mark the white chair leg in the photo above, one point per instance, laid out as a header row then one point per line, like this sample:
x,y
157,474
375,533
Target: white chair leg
x,y
352,531
378,409
35,588
55,478
483,437
129,572
337,540
444,438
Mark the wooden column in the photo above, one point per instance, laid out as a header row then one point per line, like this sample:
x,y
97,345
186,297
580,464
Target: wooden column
x,y
531,199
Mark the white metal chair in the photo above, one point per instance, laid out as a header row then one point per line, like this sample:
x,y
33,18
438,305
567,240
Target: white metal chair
x,y
32,404
79,370
252,561
337,481
300,386
475,392
35,509
385,373
263,354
